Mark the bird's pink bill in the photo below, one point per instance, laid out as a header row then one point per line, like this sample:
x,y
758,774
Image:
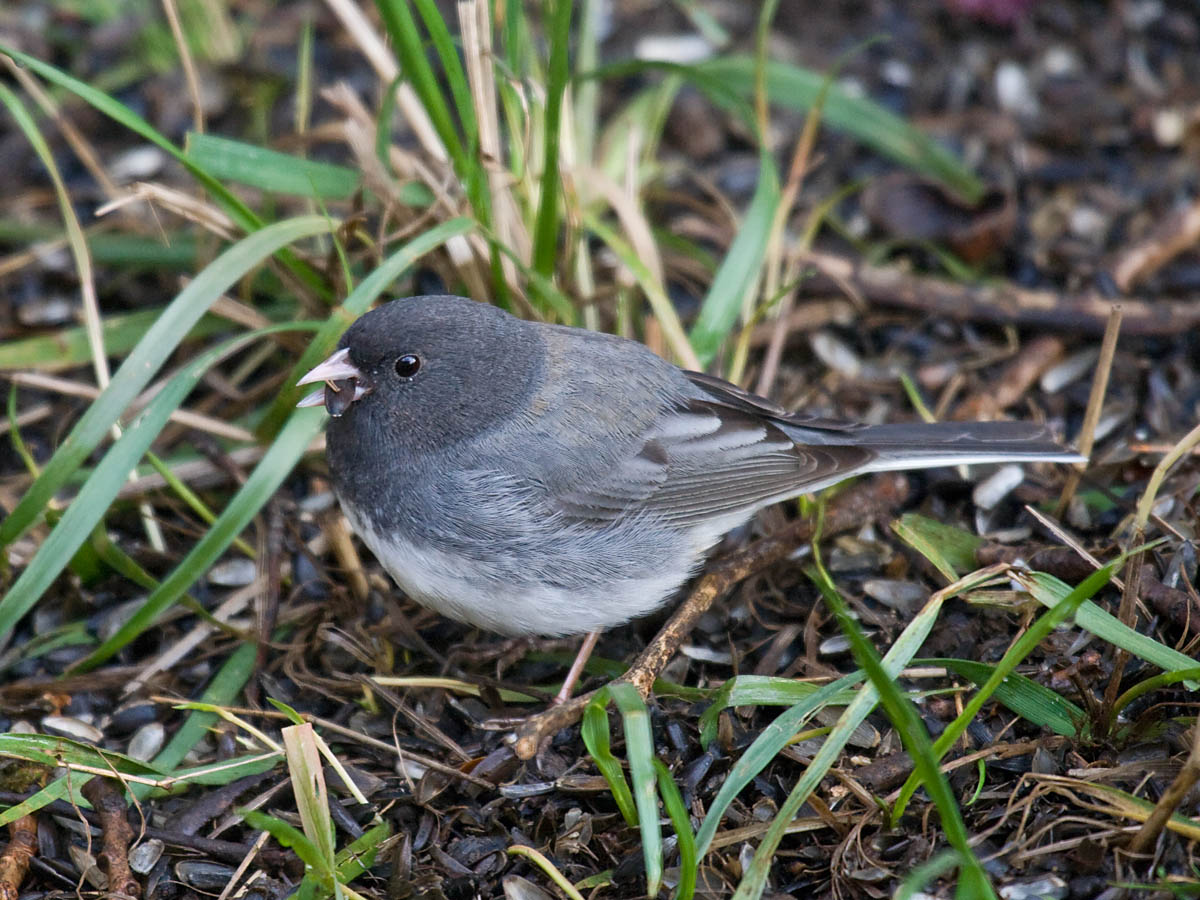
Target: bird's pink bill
x,y
344,384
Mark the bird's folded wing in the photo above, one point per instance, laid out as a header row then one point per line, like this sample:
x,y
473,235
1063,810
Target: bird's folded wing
x,y
709,460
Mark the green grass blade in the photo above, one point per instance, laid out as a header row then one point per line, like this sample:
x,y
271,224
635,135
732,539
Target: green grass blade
x,y
221,691
406,39
950,549
934,867
551,302
901,653
288,835
656,295
1162,680
68,347
225,771
973,882
359,855
758,690
545,237
351,861
639,748
689,862
148,357
170,250
51,752
741,268
270,170
123,115
594,731
58,789
47,750
865,120
242,215
106,480
1033,702
729,82
765,748
710,85
452,75
274,467
1050,591
461,147
1020,649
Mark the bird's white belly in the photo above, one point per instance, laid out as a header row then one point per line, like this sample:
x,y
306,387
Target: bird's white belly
x,y
470,590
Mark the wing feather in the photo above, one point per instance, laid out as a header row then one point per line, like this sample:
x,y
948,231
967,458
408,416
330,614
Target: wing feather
x,y
708,460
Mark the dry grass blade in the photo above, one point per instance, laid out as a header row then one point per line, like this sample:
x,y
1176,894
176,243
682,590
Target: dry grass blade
x,y
82,258
80,144
367,37
1059,532
623,202
1171,799
189,66
199,421
184,205
231,606
1087,433
475,23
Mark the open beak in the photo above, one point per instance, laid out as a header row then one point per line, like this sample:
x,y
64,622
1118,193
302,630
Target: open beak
x,y
344,384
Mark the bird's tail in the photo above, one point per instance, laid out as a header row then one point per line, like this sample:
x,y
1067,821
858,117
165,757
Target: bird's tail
x,y
922,445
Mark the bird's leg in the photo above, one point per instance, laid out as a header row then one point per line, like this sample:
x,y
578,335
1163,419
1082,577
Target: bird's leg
x,y
860,503
581,658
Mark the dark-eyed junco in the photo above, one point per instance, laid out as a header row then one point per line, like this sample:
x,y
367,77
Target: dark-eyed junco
x,y
538,479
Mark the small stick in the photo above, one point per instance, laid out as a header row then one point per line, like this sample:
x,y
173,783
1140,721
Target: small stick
x,y
1176,235
581,658
1001,303
14,862
1034,358
116,835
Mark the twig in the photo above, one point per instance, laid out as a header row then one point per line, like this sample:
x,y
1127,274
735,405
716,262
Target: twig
x,y
1034,358
850,509
14,862
225,851
1003,303
116,835
1175,235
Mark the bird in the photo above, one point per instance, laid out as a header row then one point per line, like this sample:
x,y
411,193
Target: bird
x,y
539,479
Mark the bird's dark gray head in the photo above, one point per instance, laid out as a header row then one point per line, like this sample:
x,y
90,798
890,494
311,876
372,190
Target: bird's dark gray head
x,y
424,373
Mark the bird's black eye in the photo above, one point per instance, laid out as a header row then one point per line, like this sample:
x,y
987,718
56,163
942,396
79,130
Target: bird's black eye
x,y
407,365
